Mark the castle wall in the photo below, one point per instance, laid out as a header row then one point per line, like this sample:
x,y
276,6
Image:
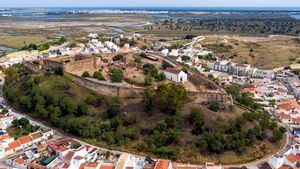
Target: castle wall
x,y
109,89
123,91
74,65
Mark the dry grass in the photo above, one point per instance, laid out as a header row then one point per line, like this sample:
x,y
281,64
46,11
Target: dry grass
x,y
20,40
269,53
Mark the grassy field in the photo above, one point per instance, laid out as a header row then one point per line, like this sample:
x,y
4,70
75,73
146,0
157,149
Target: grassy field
x,y
20,40
267,53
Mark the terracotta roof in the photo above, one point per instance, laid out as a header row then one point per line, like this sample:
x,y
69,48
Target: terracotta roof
x,y
78,157
284,116
36,135
92,164
173,70
186,167
69,155
296,120
13,145
285,106
62,148
4,116
149,166
291,158
284,167
248,90
25,139
121,161
4,137
162,164
107,166
20,161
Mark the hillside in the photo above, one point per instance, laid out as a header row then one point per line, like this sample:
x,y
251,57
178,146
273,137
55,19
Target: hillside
x,y
265,53
164,124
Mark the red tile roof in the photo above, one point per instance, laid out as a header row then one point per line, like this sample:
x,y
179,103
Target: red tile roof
x,y
20,161
25,139
162,164
291,158
13,145
249,90
284,167
92,164
107,166
284,116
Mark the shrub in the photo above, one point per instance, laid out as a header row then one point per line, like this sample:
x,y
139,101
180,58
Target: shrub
x,y
85,74
148,81
118,57
116,75
215,107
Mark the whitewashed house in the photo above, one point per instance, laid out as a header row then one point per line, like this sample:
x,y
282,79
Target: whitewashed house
x,y
174,52
276,161
165,52
175,75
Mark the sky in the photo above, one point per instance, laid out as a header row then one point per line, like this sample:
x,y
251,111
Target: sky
x,y
149,3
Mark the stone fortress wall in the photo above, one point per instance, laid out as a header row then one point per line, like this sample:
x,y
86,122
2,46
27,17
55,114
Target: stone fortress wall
x,y
73,63
130,91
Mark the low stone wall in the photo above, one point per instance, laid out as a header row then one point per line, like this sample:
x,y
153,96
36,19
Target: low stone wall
x,y
211,97
34,67
109,89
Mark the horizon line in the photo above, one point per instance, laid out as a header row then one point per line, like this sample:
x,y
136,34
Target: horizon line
x,y
148,7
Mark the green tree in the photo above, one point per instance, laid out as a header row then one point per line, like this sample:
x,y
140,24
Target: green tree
x,y
51,98
174,136
116,75
196,115
148,81
55,115
172,97
68,105
113,110
82,108
148,98
41,111
86,74
98,75
160,77
185,58
38,99
118,57
165,64
25,102
277,135
12,74
214,107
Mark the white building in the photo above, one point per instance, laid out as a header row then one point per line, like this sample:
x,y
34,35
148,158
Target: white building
x,y
93,35
174,52
165,52
222,66
5,121
240,69
175,75
276,161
